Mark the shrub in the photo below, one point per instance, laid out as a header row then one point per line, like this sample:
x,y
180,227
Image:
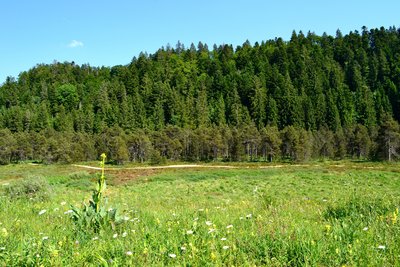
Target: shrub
x,y
33,187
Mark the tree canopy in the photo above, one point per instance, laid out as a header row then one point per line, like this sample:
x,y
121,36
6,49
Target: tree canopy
x,y
268,100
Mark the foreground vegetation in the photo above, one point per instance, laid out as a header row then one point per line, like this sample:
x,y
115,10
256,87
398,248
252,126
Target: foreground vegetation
x,y
326,214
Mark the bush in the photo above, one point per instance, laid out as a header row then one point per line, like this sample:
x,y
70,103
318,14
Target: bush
x,y
33,188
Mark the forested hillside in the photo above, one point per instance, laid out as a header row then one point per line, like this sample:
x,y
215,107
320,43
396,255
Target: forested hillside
x,y
307,98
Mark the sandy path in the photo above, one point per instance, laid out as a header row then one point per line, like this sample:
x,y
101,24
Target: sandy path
x,y
160,167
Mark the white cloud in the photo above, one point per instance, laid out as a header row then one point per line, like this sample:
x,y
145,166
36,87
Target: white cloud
x,y
75,43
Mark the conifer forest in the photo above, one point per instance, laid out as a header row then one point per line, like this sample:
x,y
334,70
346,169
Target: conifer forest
x,y
310,97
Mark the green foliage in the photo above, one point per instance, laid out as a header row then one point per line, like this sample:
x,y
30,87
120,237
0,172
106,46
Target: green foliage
x,y
313,83
324,214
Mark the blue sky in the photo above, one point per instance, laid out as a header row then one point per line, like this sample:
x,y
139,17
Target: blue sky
x,y
113,32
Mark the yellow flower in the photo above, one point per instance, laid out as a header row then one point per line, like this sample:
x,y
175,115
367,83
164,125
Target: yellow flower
x,y
4,232
394,217
54,253
328,227
213,256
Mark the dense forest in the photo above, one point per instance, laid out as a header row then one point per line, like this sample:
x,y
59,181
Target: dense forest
x,y
312,97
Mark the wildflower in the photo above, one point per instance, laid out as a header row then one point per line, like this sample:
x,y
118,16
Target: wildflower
x,y
76,242
68,212
211,231
45,238
115,235
381,247
229,226
209,223
42,212
54,253
124,234
4,232
195,219
365,229
63,203
241,218
394,217
201,209
129,253
189,232
337,251
2,248
172,255
213,256
183,248
248,216
328,227
126,218
95,238
223,239
225,247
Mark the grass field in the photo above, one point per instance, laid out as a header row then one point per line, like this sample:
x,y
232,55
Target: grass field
x,y
325,214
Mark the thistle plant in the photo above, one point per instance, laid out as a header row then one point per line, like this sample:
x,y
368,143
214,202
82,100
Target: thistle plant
x,y
95,216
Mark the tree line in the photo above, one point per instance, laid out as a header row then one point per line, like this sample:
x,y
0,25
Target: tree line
x,y
309,97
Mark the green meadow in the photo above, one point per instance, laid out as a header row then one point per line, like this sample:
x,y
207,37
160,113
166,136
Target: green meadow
x,y
321,214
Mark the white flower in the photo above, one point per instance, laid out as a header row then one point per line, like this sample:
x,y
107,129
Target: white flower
x,y
189,232
3,248
115,235
248,216
223,239
76,242
129,253
209,223
195,219
229,226
183,248
365,228
172,255
126,218
124,234
45,238
241,218
95,238
211,231
225,247
42,212
63,203
381,247
68,212
173,214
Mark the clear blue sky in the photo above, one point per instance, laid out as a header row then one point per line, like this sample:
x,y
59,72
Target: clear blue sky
x,y
110,33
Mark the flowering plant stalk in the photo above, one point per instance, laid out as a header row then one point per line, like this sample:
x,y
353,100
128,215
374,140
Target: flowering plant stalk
x,y
101,185
95,216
